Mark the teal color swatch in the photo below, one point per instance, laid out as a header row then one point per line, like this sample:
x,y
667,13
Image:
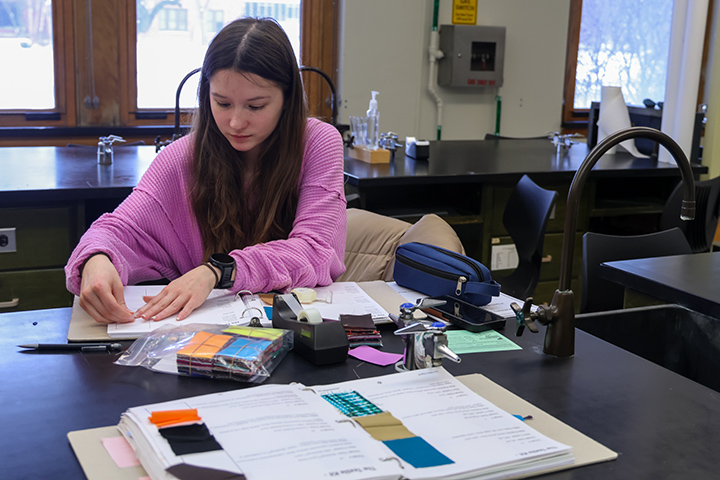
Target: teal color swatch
x,y
352,404
417,452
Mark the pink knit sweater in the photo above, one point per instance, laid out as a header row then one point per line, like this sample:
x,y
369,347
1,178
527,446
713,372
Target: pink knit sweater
x,y
153,233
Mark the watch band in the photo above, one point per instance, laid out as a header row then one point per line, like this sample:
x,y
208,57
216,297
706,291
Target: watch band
x,y
225,263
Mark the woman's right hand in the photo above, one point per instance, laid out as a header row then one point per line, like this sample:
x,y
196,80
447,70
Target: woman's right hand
x,y
102,293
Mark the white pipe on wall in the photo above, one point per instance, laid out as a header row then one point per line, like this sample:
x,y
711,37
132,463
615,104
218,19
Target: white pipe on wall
x,y
434,55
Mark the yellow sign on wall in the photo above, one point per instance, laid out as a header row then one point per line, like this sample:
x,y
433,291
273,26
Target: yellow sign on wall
x,y
464,12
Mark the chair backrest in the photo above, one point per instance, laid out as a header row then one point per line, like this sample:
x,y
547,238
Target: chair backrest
x,y
373,238
525,218
599,294
701,231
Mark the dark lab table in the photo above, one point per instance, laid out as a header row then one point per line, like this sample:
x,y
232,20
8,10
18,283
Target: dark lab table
x,y
477,161
662,425
468,183
688,280
69,173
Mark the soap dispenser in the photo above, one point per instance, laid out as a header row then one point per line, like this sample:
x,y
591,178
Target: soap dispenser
x,y
373,121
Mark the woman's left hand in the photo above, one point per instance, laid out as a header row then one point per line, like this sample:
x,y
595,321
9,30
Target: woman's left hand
x,y
181,296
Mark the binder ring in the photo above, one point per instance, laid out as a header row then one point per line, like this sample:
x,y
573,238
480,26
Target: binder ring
x,y
244,292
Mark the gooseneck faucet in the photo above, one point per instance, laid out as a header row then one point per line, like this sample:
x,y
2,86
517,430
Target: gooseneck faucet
x,y
559,316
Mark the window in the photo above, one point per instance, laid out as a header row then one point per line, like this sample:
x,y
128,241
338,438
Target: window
x,y
173,19
27,45
214,20
182,35
611,44
141,49
32,42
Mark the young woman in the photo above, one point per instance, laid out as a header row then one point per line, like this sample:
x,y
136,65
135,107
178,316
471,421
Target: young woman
x,y
252,199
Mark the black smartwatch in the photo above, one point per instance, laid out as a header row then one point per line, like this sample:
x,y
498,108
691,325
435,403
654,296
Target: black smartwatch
x,y
226,264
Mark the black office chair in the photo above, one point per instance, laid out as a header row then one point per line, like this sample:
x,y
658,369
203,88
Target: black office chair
x,y
600,295
701,231
525,218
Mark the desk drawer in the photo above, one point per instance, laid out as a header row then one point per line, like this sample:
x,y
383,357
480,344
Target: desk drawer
x,y
42,237
33,290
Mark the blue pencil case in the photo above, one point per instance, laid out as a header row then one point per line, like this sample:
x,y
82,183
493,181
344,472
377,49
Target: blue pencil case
x,y
436,271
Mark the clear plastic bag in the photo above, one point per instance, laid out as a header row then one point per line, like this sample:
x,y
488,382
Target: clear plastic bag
x,y
245,354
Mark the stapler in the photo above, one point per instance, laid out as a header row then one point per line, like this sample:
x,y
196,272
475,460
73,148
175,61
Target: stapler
x,y
320,342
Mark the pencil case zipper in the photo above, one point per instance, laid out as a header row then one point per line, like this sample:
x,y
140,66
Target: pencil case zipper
x,y
460,279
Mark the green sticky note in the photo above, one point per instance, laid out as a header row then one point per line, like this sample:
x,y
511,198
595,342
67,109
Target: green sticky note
x,y
462,341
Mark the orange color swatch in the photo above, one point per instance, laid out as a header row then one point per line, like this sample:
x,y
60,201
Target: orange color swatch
x,y
165,418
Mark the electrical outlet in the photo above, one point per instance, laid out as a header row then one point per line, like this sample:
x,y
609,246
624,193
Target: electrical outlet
x,y
7,240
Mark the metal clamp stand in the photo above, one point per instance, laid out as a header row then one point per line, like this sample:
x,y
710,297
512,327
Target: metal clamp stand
x,y
105,150
425,343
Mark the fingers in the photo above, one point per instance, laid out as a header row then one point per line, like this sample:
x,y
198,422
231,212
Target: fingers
x,y
163,305
101,292
162,308
104,307
180,297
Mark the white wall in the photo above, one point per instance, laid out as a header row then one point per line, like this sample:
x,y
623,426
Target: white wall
x,y
384,47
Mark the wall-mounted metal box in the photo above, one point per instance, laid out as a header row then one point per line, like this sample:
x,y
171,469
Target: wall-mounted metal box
x,y
474,56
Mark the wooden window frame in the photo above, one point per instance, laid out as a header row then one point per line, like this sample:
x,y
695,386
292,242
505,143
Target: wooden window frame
x,y
572,118
63,59
319,35
114,37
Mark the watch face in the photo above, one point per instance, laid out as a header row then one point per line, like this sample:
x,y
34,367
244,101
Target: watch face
x,y
222,258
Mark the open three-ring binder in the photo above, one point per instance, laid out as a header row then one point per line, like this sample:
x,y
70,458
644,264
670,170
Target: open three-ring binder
x,y
410,425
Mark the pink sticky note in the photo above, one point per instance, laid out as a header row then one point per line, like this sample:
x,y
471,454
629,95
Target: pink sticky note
x,y
372,355
120,451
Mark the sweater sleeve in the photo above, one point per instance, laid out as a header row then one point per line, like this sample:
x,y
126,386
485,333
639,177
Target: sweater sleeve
x,y
152,233
314,252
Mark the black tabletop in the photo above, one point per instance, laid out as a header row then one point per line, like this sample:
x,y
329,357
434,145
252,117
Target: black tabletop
x,y
661,424
688,280
61,173
472,161
70,172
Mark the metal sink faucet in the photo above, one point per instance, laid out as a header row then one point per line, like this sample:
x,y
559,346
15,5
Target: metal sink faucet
x,y
559,316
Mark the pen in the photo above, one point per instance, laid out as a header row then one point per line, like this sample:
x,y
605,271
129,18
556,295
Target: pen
x,y
83,347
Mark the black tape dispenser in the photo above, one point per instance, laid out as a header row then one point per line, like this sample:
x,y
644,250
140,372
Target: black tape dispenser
x,y
321,342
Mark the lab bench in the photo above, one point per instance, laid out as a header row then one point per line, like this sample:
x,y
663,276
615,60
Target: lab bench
x,y
468,183
50,195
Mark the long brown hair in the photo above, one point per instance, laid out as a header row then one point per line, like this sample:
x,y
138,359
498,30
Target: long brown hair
x,y
231,216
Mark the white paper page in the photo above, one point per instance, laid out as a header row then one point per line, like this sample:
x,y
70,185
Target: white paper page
x,y
460,424
410,295
220,308
500,306
281,432
347,298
